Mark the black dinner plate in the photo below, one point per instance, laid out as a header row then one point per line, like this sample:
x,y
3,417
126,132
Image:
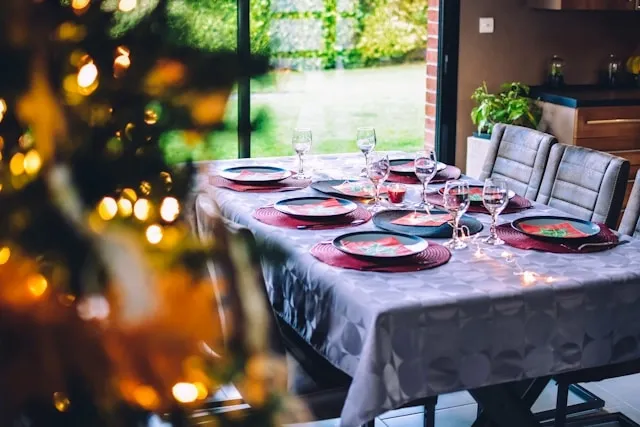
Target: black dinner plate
x,y
384,221
259,174
412,244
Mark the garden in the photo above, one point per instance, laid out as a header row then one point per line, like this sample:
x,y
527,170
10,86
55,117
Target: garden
x,y
339,64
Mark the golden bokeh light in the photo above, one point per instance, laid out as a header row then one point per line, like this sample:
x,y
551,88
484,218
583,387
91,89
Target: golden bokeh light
x,y
169,209
16,164
130,194
145,188
5,254
150,117
142,209
61,401
203,392
185,392
87,75
80,4
37,285
107,208
127,5
94,307
154,234
32,162
125,207
146,397
3,108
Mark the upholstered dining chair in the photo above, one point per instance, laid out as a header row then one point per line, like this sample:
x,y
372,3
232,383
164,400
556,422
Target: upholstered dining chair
x,y
519,155
585,183
322,387
630,224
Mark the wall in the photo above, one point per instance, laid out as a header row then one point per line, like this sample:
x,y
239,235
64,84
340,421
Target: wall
x,y
525,39
432,74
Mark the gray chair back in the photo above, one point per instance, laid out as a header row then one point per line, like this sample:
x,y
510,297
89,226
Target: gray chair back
x,y
630,224
518,155
585,183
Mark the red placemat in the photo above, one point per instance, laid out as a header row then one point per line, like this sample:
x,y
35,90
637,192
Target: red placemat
x,y
288,184
269,215
447,174
516,204
519,240
434,256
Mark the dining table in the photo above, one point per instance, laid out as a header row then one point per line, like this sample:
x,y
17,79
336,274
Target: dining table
x,y
492,315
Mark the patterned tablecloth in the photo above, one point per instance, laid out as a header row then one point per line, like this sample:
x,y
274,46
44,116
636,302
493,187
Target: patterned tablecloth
x,y
470,323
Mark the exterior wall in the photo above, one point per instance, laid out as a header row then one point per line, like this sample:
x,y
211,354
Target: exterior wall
x,y
431,85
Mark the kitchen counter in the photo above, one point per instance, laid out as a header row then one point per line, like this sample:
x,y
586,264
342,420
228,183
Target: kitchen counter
x,y
587,96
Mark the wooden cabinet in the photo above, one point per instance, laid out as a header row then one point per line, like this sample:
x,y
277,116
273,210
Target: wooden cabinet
x,y
615,130
628,5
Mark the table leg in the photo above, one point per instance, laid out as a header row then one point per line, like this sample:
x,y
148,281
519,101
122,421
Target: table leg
x,y
527,392
503,406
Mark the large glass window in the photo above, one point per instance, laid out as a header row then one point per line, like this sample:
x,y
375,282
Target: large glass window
x,y
338,65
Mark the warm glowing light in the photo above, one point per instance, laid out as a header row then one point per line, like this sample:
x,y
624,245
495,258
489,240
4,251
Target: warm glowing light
x,y
154,234
127,5
87,75
107,208
141,209
203,392
32,162
37,285
125,207
80,4
550,279
5,254
3,108
170,209
95,307
120,65
185,392
146,397
145,188
150,117
16,164
130,194
529,278
61,401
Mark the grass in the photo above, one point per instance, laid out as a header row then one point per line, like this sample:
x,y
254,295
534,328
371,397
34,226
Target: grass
x,y
333,104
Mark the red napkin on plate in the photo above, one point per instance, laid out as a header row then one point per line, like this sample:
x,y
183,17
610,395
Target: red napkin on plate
x,y
389,246
422,219
563,229
326,207
248,175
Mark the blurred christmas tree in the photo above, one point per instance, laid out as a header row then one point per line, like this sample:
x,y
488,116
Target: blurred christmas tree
x,y
105,315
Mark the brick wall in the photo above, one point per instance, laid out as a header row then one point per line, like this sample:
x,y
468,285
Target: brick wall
x,y
432,75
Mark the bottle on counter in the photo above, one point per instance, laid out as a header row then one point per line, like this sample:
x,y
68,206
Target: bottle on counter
x,y
613,72
555,77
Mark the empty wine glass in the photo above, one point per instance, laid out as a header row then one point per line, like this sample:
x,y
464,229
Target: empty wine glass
x,y
495,196
426,167
456,201
301,141
378,169
366,140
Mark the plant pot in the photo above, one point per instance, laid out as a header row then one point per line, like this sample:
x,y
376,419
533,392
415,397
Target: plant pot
x,y
477,149
482,135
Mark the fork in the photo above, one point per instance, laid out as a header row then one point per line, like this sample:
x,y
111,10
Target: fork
x,y
609,245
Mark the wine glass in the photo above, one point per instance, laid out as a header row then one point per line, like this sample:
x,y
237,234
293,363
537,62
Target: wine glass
x,y
495,196
426,167
366,140
456,201
301,141
378,169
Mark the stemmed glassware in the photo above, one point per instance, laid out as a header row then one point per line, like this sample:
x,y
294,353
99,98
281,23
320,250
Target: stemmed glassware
x,y
456,201
301,141
495,197
378,169
366,140
426,168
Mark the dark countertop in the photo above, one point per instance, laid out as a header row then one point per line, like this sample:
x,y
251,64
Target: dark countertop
x,y
587,96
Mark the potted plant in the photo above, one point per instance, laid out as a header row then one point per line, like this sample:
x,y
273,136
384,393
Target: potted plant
x,y
511,105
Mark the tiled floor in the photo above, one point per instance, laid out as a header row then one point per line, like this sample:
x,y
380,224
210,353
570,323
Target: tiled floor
x,y
459,409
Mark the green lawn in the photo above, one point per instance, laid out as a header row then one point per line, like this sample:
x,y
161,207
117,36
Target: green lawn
x,y
333,104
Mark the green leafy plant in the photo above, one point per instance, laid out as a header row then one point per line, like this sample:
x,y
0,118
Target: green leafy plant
x,y
511,105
